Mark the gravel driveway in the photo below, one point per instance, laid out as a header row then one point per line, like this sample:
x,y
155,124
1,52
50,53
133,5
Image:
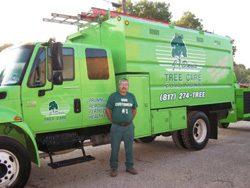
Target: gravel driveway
x,y
222,163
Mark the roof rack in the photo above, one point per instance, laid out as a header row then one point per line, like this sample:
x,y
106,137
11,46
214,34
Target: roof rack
x,y
95,15
64,19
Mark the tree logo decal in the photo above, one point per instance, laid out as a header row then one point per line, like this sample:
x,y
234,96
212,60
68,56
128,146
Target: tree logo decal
x,y
54,111
53,107
179,50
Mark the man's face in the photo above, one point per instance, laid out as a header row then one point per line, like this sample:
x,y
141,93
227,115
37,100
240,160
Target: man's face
x,y
123,86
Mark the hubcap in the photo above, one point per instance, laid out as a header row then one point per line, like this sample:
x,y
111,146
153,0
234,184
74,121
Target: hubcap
x,y
200,131
9,168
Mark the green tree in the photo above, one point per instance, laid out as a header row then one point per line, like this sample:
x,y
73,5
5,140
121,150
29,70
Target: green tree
x,y
189,20
148,9
5,46
242,74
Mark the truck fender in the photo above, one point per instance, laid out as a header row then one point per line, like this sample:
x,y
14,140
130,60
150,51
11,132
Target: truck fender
x,y
29,142
7,115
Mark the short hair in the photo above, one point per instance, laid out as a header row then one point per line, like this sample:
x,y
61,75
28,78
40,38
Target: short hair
x,y
123,79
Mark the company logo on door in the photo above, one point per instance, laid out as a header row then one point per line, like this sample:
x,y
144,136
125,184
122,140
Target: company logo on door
x,y
53,109
54,112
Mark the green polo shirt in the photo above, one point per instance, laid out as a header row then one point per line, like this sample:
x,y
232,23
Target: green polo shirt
x,y
121,107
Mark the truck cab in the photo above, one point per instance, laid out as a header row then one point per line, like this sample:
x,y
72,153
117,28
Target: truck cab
x,y
45,98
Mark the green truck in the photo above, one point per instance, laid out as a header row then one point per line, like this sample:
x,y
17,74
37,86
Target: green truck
x,y
241,112
53,95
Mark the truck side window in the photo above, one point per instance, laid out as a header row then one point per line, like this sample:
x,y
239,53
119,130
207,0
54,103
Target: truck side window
x,y
97,64
37,76
68,64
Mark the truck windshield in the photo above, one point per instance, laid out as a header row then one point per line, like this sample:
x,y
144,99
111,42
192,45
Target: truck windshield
x,y
13,63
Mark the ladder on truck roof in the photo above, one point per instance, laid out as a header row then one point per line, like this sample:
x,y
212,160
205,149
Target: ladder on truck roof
x,y
87,18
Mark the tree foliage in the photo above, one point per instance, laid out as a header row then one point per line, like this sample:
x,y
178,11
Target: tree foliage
x,y
148,9
242,74
189,20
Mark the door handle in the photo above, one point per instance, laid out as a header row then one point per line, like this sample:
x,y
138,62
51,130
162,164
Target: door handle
x,y
77,105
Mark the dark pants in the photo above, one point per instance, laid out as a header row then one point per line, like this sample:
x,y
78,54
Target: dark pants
x,y
117,134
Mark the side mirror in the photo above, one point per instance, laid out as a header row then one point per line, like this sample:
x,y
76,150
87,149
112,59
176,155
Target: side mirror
x,y
56,63
57,78
57,56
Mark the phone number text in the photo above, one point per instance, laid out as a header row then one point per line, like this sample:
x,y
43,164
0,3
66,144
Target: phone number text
x,y
181,96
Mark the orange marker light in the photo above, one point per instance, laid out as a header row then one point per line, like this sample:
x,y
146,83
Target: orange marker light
x,y
17,118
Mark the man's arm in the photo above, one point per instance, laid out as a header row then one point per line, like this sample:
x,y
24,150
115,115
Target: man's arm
x,y
134,113
108,113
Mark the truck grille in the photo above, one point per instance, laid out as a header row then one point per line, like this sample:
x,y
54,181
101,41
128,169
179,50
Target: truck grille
x,y
247,102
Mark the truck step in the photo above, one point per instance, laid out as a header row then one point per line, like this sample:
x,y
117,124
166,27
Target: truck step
x,y
67,162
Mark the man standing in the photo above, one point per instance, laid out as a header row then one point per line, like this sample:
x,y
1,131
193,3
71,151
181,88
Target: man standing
x,y
121,110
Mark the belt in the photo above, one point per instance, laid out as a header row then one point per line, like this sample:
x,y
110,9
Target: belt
x,y
122,124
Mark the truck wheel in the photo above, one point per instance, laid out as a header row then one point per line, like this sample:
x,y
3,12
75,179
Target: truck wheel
x,y
147,139
14,163
224,125
197,134
177,139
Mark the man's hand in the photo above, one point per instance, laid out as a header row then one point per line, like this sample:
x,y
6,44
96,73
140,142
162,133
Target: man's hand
x,y
134,113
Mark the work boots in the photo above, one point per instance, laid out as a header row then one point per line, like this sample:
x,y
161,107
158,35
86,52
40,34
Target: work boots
x,y
113,173
131,171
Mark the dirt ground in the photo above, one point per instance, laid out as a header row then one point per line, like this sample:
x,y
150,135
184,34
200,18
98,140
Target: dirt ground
x,y
222,163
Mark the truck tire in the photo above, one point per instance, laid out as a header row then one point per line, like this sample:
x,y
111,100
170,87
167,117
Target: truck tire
x,y
177,139
15,163
147,139
197,134
224,125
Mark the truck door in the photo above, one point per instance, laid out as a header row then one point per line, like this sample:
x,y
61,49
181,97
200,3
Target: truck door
x,y
58,109
139,86
98,82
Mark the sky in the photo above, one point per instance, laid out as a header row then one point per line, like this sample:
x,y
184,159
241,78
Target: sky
x,y
22,20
